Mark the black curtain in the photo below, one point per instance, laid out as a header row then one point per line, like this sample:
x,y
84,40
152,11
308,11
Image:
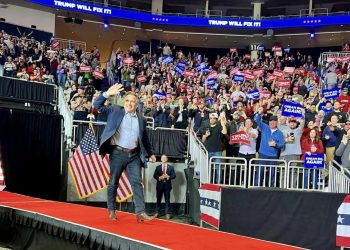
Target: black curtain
x,y
304,219
30,145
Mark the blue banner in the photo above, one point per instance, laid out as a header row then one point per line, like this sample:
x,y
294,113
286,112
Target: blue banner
x,y
167,59
260,47
314,161
331,93
200,67
292,109
179,70
238,78
211,82
253,94
181,65
233,23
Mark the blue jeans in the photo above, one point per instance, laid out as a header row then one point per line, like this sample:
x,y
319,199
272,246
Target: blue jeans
x,y
259,175
311,175
217,173
119,161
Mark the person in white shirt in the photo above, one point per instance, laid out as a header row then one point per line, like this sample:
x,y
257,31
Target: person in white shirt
x,y
248,151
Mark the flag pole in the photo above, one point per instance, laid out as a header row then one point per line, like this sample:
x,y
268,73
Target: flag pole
x,y
90,117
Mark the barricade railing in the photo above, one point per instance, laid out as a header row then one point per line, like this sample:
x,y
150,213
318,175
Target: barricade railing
x,y
300,178
70,45
67,114
75,128
149,122
228,171
199,156
267,173
325,55
339,178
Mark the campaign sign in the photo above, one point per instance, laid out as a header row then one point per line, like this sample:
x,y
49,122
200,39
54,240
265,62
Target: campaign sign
x,y
249,76
253,94
258,72
238,78
265,94
260,47
167,59
292,109
330,93
278,73
289,70
285,83
179,70
213,75
234,71
239,137
314,161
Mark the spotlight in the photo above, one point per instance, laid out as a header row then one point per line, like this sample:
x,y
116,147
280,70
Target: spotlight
x,y
105,24
312,34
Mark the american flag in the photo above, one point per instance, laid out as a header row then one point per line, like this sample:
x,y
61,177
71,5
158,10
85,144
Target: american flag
x,y
2,178
210,199
91,173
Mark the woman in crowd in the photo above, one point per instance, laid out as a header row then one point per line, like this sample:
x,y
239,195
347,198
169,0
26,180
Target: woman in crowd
x,y
311,145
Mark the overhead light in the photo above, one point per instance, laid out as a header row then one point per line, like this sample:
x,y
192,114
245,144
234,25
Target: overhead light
x,y
312,35
105,24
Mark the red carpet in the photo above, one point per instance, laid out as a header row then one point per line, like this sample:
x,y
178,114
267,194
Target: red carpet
x,y
157,232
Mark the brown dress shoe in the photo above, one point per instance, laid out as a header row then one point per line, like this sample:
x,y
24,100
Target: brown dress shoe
x,y
143,217
112,215
167,216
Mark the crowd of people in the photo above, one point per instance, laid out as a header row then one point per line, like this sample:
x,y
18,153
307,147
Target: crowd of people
x,y
228,94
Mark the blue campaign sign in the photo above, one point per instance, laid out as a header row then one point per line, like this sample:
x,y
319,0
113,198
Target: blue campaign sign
x,y
167,59
314,161
292,109
253,94
260,47
331,93
195,21
238,78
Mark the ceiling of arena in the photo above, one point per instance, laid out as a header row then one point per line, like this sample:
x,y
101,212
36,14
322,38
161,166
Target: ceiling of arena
x,y
125,30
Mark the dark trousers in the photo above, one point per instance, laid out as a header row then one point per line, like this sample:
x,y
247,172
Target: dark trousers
x,y
163,189
119,161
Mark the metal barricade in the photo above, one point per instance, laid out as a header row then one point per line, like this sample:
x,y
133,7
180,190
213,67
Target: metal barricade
x,y
339,178
267,173
199,156
67,114
150,122
228,171
300,178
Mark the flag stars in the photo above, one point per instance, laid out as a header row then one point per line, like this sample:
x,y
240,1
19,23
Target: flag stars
x,y
340,219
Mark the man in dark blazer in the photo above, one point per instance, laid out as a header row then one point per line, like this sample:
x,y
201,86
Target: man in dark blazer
x,y
125,139
164,173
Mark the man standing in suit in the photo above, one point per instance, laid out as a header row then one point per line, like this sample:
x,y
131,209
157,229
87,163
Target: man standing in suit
x,y
125,139
164,174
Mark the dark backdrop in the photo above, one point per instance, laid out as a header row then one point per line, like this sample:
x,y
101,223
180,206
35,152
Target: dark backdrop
x,y
30,146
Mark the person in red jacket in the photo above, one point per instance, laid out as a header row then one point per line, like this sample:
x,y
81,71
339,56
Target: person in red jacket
x,y
344,100
311,145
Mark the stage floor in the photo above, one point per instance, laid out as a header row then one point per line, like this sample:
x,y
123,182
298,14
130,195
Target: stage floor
x,y
158,233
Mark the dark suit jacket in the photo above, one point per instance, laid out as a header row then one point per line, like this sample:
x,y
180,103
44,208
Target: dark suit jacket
x,y
158,172
115,116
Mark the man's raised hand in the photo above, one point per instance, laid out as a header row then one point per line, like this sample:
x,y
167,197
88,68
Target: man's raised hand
x,y
115,89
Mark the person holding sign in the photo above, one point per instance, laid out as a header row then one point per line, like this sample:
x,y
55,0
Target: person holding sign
x,y
311,145
248,151
272,140
344,150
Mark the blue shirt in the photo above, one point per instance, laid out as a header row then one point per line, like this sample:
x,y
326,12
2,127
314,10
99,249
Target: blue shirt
x,y
266,136
127,134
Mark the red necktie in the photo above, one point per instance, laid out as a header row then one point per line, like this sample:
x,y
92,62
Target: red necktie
x,y
164,172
